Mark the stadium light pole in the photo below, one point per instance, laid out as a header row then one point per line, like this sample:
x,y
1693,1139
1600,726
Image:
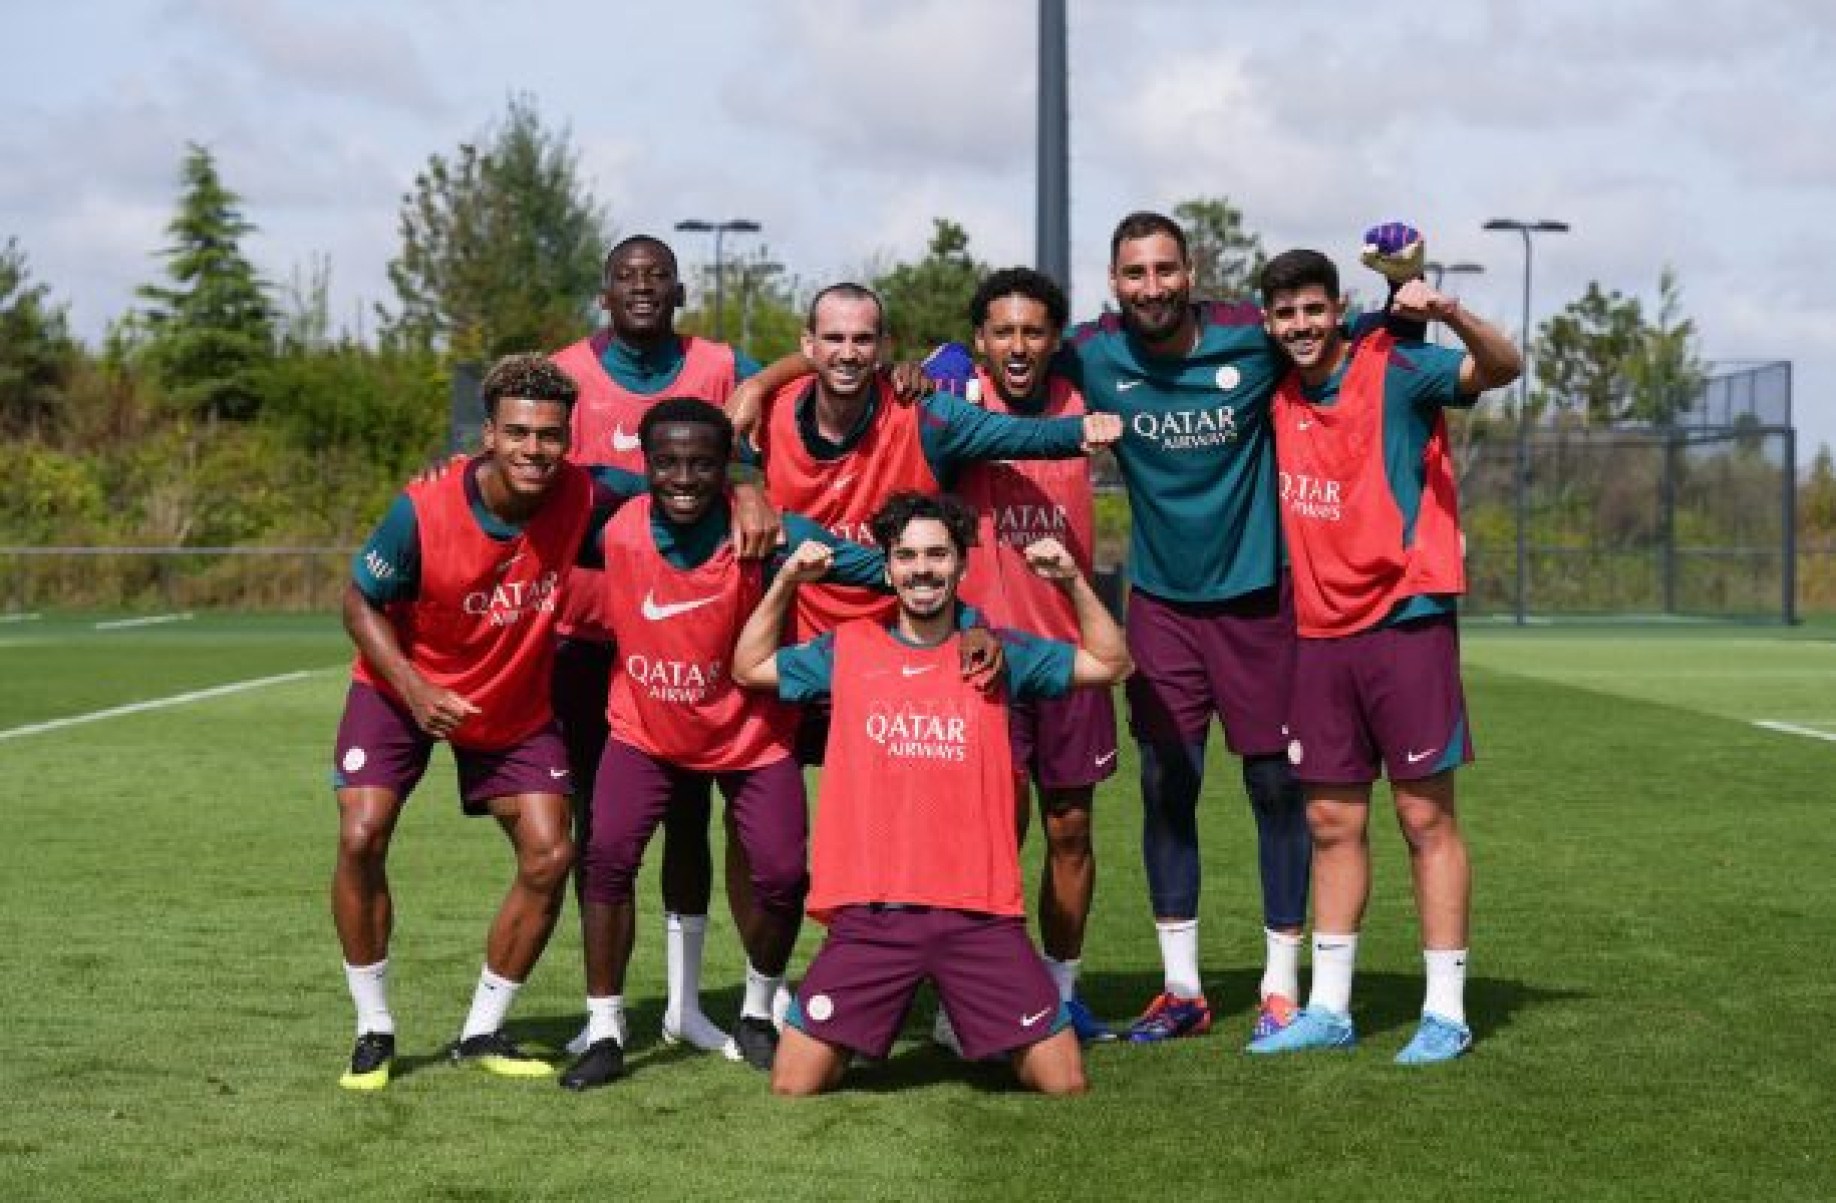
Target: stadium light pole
x,y
737,225
1525,228
1052,217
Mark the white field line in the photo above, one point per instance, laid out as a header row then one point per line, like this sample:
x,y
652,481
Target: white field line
x,y
177,699
1794,729
17,617
121,624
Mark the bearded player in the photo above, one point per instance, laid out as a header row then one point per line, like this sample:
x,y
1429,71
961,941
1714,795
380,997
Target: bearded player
x,y
915,864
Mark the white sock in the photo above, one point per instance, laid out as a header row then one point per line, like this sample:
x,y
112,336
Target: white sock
x,y
490,1003
780,1003
761,991
684,939
606,1018
1064,976
1335,958
369,986
1281,966
1446,983
1179,956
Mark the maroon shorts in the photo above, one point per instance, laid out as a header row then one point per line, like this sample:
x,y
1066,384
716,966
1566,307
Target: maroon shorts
x,y
1231,658
578,691
636,791
988,977
381,747
1065,742
1388,696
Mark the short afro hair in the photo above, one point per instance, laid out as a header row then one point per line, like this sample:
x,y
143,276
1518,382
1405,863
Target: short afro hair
x,y
688,411
1020,282
528,376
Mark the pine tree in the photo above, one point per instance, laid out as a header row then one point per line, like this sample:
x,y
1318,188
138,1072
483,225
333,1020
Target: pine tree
x,y
210,332
36,351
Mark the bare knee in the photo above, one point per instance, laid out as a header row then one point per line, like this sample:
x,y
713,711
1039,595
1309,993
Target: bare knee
x,y
544,866
1054,1066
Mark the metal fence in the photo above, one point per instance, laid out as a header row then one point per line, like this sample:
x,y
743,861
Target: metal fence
x,y
1694,518
174,578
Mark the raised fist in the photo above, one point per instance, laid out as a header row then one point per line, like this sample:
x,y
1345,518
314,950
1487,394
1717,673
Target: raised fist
x,y
1395,251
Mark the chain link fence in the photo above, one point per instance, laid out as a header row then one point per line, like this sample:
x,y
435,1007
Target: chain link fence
x,y
1693,519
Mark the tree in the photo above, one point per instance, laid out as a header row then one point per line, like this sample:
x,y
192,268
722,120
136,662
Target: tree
x,y
36,351
927,302
210,332
501,245
1664,371
1226,258
1581,355
1601,359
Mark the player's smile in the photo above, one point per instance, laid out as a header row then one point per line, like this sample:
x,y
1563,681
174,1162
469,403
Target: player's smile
x,y
1153,285
640,294
1304,322
686,469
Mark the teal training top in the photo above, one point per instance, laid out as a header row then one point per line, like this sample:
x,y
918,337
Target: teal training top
x,y
648,370
1197,451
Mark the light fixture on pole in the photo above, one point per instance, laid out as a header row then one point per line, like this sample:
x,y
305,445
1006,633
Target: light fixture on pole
x,y
737,225
1437,271
1525,228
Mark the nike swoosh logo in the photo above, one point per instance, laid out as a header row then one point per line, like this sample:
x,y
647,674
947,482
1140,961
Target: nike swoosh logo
x,y
1105,758
1027,1021
1122,386
625,442
909,670
505,566
557,774
1418,757
1303,425
844,482
656,613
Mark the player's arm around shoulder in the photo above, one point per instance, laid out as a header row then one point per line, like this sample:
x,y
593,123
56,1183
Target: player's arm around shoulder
x,y
1492,359
1101,656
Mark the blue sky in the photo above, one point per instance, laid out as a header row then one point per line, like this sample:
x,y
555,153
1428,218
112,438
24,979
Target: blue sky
x,y
1692,133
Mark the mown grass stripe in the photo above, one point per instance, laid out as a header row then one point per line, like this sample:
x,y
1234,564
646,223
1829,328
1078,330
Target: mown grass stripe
x,y
177,699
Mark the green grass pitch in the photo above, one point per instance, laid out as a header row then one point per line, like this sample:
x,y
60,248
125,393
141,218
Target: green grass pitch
x,y
1654,967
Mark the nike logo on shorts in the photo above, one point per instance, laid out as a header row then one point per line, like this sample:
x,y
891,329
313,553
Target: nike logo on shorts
x,y
657,613
557,774
1027,1021
1103,760
1418,757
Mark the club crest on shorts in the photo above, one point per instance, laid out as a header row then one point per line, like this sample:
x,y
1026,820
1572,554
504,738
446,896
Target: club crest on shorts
x,y
821,1007
354,759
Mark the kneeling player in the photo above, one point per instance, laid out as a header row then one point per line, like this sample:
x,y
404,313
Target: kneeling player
x,y
452,610
915,865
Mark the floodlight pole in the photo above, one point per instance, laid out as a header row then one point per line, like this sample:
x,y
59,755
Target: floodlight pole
x,y
737,225
1052,219
1525,228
